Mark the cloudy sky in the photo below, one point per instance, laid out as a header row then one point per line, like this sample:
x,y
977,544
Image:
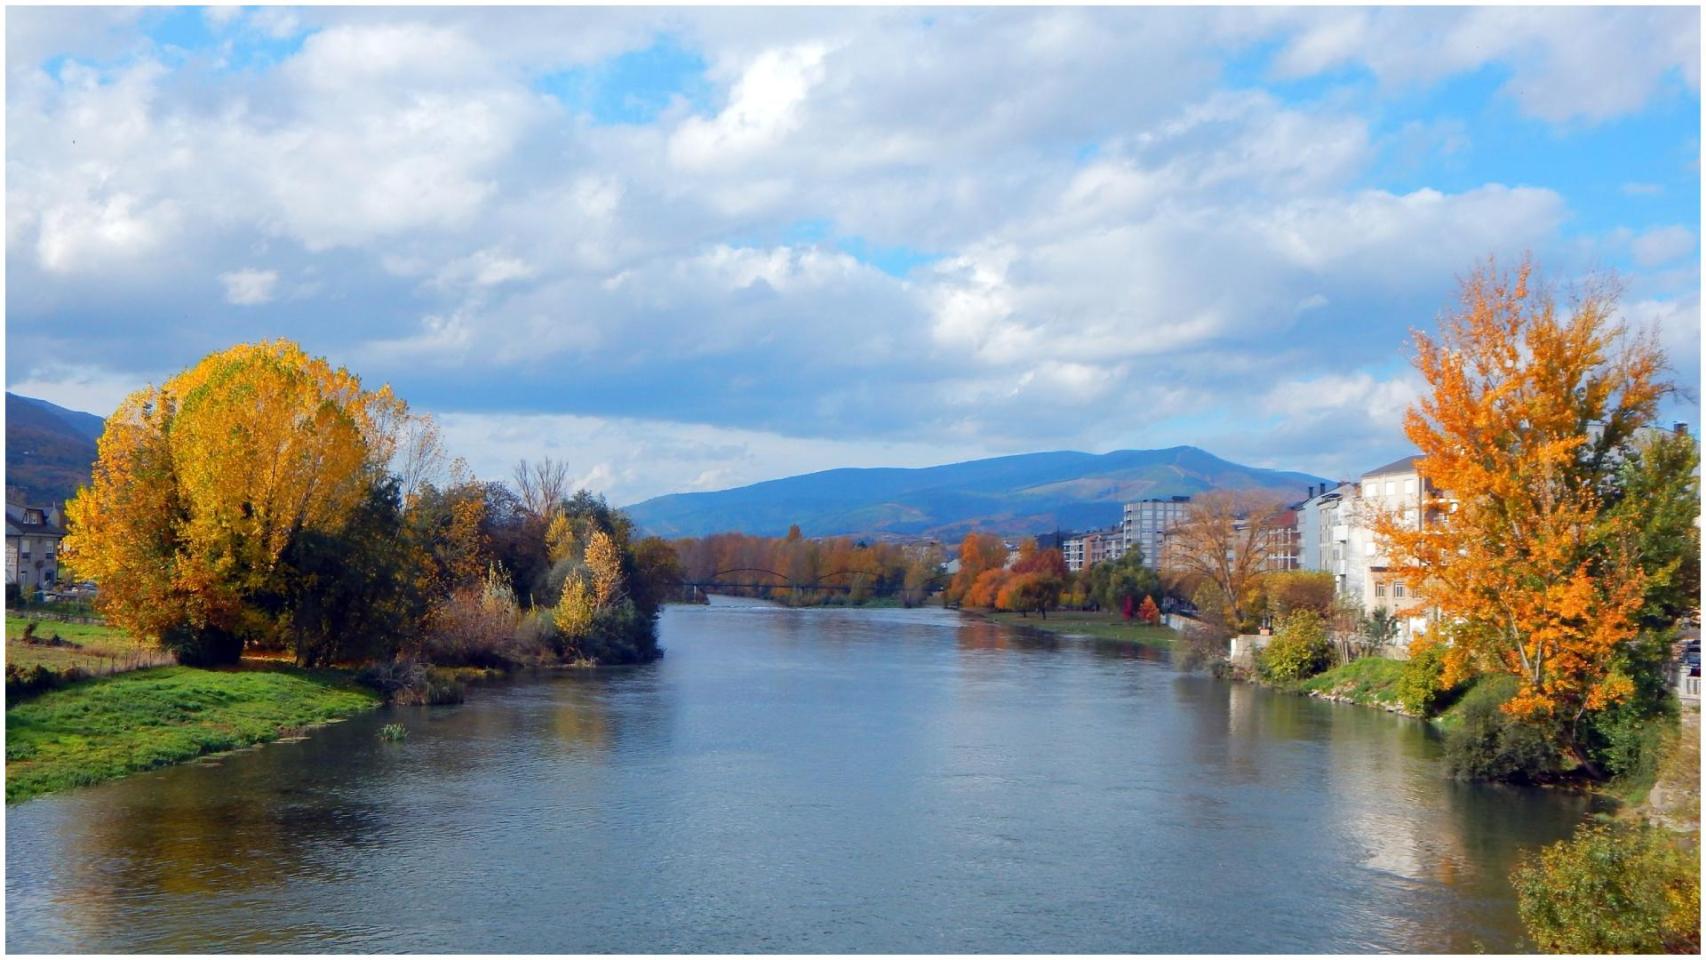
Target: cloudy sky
x,y
688,249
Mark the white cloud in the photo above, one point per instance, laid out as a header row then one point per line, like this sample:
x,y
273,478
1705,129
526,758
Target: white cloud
x,y
1662,245
763,108
247,288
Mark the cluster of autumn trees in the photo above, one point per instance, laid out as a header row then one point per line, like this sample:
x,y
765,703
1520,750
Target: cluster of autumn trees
x,y
264,499
796,570
1037,581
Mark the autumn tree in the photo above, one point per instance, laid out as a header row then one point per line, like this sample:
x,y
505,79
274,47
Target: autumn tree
x,y
201,485
1528,413
979,554
1149,612
1225,538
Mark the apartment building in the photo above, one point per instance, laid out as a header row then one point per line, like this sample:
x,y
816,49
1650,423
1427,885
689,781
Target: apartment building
x,y
1145,524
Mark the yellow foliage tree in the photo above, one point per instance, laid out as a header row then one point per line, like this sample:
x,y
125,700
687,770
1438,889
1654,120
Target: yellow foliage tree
x,y
200,485
575,609
560,538
1527,413
604,563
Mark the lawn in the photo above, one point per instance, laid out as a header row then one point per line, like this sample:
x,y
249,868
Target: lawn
x,y
99,648
108,727
1103,626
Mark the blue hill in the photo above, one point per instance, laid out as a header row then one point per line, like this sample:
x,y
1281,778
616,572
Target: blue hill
x,y
1026,493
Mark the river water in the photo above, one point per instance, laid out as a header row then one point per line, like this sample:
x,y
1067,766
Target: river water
x,y
802,781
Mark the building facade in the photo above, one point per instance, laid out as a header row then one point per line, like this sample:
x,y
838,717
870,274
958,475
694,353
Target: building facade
x,y
32,546
1145,524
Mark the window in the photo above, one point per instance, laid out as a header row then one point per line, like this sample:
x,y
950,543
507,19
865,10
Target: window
x,y
1410,487
1380,589
1392,488
1370,489
1397,590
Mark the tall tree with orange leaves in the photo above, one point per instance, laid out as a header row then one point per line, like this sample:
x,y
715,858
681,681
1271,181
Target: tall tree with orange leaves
x,y
1529,410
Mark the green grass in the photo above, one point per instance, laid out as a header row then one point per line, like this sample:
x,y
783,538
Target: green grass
x,y
108,727
1103,626
100,648
1370,681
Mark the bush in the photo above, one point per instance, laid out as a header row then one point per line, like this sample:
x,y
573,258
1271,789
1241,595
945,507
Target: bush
x,y
1419,687
1298,651
475,626
1488,744
1611,889
409,682
1623,741
22,683
620,634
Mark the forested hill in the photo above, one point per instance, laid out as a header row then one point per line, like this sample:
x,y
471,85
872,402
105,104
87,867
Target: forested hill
x,y
49,449
1016,494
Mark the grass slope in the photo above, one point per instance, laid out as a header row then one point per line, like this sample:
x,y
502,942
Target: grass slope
x,y
1369,681
1103,626
106,728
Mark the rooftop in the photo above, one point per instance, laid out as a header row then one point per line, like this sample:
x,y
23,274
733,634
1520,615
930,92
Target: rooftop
x,y
1405,465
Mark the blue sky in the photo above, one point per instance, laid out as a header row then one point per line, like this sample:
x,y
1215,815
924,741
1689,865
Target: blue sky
x,y
687,248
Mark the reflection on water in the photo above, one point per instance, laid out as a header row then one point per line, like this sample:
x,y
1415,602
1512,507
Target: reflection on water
x,y
803,781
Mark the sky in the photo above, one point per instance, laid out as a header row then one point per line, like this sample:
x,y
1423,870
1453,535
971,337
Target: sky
x,y
687,249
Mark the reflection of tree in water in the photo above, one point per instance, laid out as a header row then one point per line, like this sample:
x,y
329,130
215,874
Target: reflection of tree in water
x,y
989,635
247,823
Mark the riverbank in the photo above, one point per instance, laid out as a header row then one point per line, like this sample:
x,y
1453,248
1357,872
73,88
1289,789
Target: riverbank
x,y
110,727
1081,623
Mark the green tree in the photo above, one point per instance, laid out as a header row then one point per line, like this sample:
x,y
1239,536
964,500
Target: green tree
x,y
1298,651
1612,889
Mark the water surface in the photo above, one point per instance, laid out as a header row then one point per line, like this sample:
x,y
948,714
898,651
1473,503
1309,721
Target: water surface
x,y
802,781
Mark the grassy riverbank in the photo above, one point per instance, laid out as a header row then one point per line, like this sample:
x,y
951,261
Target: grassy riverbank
x,y
109,727
1102,626
1366,682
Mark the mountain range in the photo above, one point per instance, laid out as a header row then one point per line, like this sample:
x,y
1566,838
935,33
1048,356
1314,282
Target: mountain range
x,y
1026,493
49,450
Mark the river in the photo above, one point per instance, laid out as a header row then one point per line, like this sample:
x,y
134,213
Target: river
x,y
802,781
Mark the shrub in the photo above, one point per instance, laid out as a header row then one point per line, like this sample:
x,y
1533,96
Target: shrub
x,y
1298,651
393,732
476,625
1624,741
620,634
1419,685
1611,889
22,683
1489,744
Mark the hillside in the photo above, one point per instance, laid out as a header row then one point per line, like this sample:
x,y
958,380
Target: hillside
x,y
1026,493
49,449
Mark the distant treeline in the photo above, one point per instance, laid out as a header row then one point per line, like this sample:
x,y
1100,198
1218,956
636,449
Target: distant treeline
x,y
799,571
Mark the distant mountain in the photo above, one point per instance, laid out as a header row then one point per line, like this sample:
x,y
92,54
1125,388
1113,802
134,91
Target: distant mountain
x,y
49,450
1028,493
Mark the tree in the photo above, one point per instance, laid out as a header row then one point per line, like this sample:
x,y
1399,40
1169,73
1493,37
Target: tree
x,y
1298,651
542,487
1529,412
1225,538
201,486
979,553
1149,613
575,609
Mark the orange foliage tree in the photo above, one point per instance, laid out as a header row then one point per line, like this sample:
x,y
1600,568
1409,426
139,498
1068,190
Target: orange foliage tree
x,y
1528,411
980,553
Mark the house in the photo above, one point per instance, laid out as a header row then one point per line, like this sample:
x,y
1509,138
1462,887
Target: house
x,y
1085,550
1395,490
32,546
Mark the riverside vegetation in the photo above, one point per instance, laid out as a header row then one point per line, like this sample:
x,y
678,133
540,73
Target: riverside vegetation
x,y
263,507
1559,557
